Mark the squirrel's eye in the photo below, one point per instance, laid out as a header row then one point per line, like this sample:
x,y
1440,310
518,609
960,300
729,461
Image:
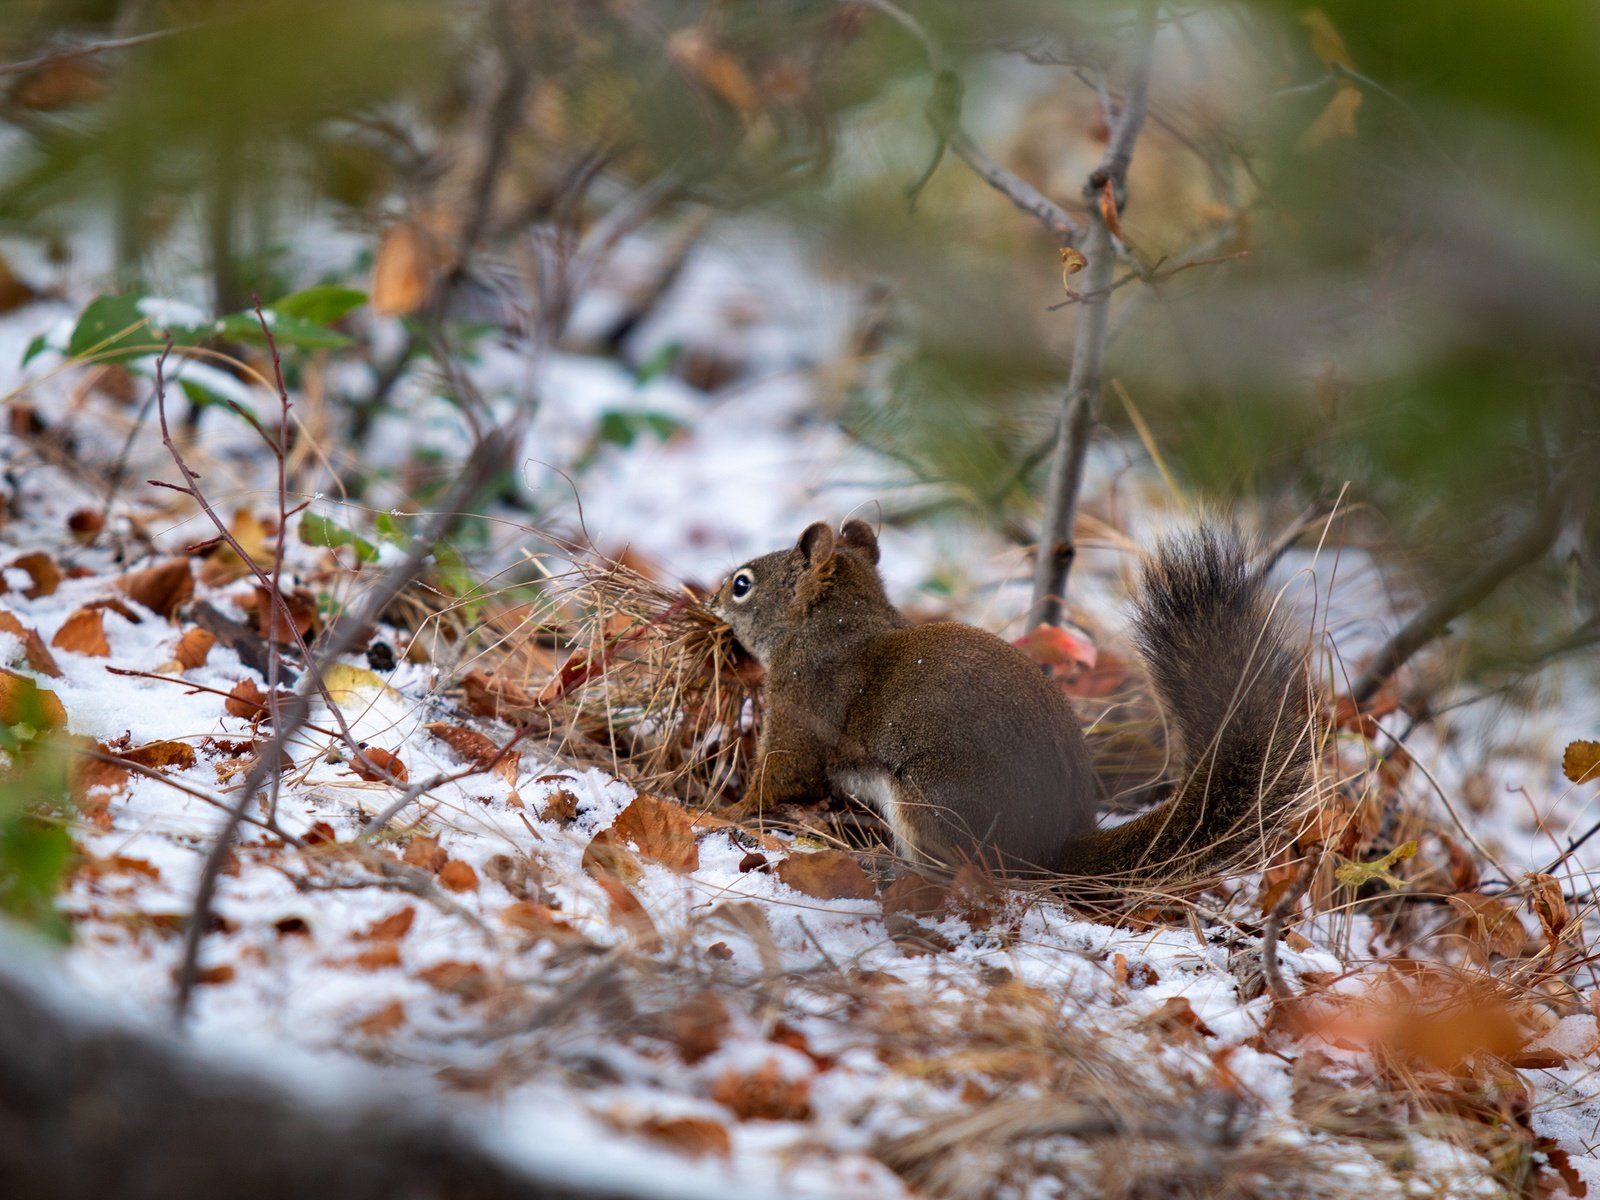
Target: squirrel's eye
x,y
742,583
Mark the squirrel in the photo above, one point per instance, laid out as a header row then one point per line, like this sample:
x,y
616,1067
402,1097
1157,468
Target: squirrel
x,y
968,750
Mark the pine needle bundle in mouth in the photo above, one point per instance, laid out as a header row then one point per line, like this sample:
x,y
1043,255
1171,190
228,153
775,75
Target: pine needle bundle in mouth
x,y
656,678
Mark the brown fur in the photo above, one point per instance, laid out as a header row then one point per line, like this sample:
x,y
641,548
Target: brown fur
x,y
971,753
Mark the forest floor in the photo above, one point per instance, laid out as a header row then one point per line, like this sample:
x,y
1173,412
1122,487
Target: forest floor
x,y
621,983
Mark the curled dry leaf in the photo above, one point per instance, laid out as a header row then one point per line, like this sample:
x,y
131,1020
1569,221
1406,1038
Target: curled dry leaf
x,y
491,695
457,876
42,570
469,745
380,766
24,702
1548,904
83,633
1490,926
193,647
84,524
537,920
826,875
161,588
1581,762
1071,263
661,832
764,1094
34,651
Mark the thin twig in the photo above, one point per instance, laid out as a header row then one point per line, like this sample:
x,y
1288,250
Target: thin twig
x,y
1272,928
89,49
1057,542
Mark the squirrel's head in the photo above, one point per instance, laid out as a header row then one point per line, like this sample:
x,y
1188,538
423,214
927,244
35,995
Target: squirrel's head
x,y
771,598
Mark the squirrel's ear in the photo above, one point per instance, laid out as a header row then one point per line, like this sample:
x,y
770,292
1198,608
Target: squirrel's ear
x,y
856,532
816,544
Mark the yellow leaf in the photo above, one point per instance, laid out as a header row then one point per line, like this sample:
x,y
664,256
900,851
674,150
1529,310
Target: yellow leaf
x,y
403,271
1071,263
1338,120
1354,874
354,685
1326,43
1581,762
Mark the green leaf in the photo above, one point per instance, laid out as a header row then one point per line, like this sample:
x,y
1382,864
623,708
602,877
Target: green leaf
x,y
114,329
1354,874
321,305
658,363
39,344
622,428
203,397
286,331
319,531
390,530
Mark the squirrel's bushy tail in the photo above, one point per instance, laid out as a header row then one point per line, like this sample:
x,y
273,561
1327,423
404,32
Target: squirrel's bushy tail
x,y
1232,683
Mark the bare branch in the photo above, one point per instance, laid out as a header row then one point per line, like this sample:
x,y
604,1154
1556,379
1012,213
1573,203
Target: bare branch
x,y
1057,542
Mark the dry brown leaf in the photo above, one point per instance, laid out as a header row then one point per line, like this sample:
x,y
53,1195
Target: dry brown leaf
x,y
689,1135
224,565
700,1026
34,651
826,875
22,701
1581,762
42,570
161,588
404,269
629,913
914,896
694,49
763,1095
463,979
469,745
377,957
156,755
490,695
424,852
85,524
193,647
221,973
396,925
247,700
383,1022
1490,926
1548,904
379,766
83,633
607,855
457,876
537,920
661,832
1108,209
94,782
560,806
302,607
1176,1017
975,897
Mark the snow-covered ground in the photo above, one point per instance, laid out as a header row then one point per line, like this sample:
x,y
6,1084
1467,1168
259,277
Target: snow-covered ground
x,y
687,1020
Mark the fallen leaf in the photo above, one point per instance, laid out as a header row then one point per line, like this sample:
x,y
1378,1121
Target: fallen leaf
x,y
302,619
700,1026
94,781
42,570
763,1094
354,687
379,766
161,588
156,755
607,855
1581,762
1489,925
489,695
424,852
1355,874
224,565
320,834
628,912
24,702
463,979
221,973
975,897
1549,905
83,633
688,1135
560,806
826,875
469,745
34,651
377,957
913,895
537,920
1175,1016
85,524
247,700
661,832
457,876
193,647
754,861
396,925
383,1022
